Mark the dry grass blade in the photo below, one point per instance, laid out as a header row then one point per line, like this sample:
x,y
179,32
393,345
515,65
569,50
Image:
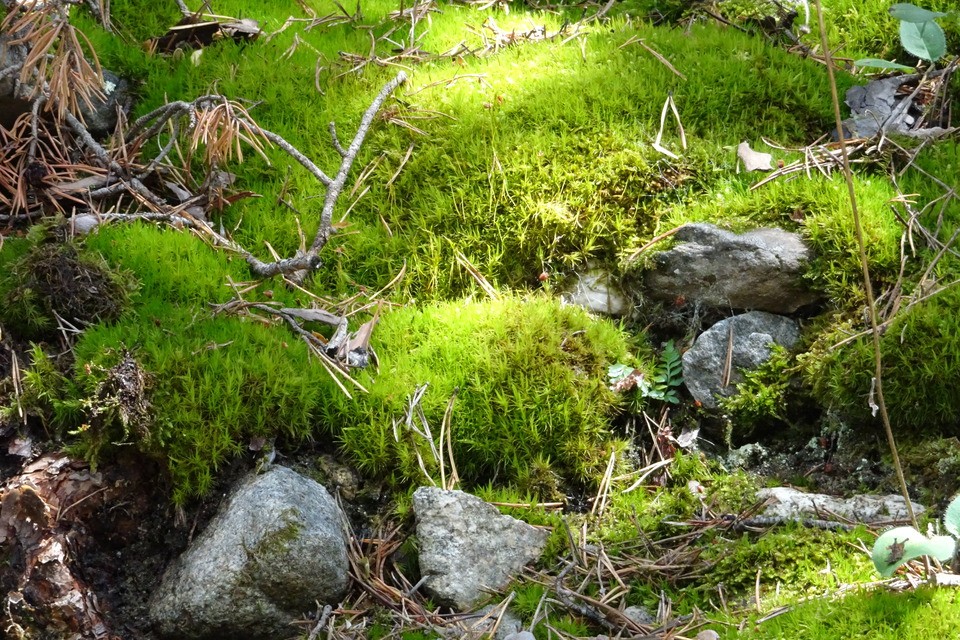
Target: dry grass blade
x,y
476,275
446,429
654,53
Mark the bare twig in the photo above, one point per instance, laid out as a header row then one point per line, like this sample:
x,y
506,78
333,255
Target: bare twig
x,y
868,287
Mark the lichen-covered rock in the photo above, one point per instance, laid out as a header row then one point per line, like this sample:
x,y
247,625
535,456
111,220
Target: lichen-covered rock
x,y
468,547
273,551
760,269
790,503
749,337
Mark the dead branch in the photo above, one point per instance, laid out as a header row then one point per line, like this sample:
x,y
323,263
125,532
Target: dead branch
x,y
310,260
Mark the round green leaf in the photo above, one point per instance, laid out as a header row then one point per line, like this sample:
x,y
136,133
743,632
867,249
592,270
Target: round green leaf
x,y
912,13
881,64
902,544
925,40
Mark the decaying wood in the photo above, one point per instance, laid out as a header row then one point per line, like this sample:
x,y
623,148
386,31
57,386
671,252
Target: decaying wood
x,y
38,511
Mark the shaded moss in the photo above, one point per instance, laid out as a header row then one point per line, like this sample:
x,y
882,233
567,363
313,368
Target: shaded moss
x,y
54,278
921,356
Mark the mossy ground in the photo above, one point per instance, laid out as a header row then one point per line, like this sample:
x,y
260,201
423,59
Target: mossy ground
x,y
535,158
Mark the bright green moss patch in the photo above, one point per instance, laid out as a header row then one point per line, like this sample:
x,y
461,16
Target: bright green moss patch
x,y
530,382
530,376
924,614
216,382
537,158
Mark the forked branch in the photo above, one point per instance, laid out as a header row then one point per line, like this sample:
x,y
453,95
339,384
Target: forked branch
x,y
309,260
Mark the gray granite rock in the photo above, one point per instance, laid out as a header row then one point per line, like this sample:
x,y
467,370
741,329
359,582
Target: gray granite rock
x,y
761,269
273,551
793,504
467,546
752,335
100,116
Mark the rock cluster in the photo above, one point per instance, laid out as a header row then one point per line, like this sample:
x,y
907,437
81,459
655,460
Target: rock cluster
x,y
277,548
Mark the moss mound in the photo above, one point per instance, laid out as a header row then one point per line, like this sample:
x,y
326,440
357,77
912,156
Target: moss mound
x,y
530,379
530,374
53,278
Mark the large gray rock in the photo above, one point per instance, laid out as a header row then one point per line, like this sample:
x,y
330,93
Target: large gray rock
x,y
273,551
752,335
792,504
761,269
467,546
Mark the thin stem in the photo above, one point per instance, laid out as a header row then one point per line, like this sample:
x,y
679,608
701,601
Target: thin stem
x,y
868,287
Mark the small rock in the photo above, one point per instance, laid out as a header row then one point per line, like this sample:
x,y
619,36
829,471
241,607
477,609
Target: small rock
x,y
748,456
754,333
521,635
640,615
792,504
273,551
468,547
83,224
597,292
708,634
100,117
761,269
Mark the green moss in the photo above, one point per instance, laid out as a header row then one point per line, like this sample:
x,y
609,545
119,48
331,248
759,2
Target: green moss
x,y
762,398
275,544
933,467
530,376
927,613
667,497
921,356
530,382
791,562
218,384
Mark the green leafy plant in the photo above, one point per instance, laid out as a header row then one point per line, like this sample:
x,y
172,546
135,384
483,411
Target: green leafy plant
x,y
919,35
662,386
902,544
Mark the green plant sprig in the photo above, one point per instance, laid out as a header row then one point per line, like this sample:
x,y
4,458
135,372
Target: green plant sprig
x,y
662,385
899,545
920,36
